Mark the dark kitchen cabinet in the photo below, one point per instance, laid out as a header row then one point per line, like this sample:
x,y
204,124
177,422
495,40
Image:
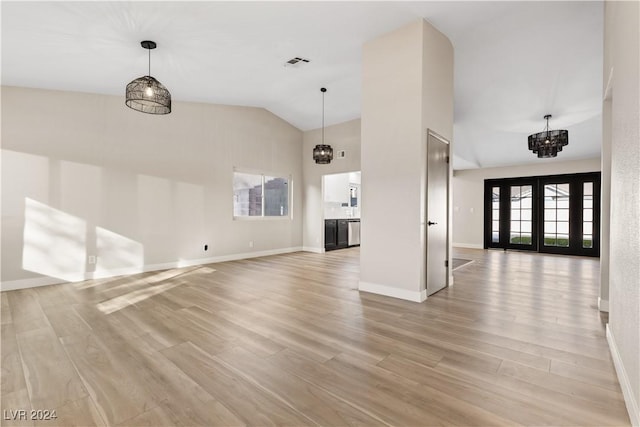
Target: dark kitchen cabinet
x,y
336,234
343,234
330,234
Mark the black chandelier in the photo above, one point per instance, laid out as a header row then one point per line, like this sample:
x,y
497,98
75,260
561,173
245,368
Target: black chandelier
x,y
145,93
548,142
322,153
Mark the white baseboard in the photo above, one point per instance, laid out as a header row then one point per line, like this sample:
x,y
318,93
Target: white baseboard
x,y
14,285
603,305
235,257
188,263
312,249
623,379
390,291
11,285
468,245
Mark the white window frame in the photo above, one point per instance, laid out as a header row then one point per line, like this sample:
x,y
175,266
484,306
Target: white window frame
x,y
262,174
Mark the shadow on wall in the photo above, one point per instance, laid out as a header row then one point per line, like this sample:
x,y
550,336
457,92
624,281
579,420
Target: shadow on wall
x,y
55,245
56,214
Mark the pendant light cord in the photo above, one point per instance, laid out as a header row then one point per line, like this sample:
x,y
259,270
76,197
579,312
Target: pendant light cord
x,y
149,62
322,118
547,127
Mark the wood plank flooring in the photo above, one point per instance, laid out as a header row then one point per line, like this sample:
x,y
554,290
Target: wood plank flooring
x,y
288,340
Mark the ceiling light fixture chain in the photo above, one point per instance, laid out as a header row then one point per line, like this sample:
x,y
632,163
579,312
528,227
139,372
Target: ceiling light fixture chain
x,y
547,117
323,90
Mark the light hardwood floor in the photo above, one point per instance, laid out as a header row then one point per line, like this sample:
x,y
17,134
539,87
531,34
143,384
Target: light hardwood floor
x,y
288,340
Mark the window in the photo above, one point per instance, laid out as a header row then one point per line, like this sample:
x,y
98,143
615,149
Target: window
x,y
259,195
247,194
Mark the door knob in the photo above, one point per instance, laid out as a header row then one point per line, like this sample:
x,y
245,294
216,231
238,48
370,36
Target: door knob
x,y
431,223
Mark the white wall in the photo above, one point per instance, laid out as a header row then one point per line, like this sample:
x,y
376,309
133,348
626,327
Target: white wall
x,y
605,203
337,195
343,136
407,88
336,188
468,193
622,55
82,175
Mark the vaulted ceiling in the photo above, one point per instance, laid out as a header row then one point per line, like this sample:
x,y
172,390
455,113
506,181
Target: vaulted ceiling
x,y
514,61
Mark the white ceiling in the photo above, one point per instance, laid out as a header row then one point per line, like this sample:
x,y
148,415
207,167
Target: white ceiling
x,y
514,61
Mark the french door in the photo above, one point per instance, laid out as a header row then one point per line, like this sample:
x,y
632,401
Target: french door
x,y
553,214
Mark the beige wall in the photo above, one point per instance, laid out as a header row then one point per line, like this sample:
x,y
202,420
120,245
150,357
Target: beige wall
x,y
343,136
407,81
84,175
468,194
605,203
622,55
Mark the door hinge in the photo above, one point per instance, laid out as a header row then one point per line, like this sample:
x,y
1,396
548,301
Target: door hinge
x,y
447,159
446,263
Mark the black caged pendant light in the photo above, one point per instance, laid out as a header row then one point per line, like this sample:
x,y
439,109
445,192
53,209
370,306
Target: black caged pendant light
x,y
323,153
548,142
146,94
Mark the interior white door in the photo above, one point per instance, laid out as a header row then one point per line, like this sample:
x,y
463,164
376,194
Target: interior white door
x,y
437,213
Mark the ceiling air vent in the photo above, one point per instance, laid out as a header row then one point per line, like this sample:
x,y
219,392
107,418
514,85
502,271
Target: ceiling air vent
x,y
296,62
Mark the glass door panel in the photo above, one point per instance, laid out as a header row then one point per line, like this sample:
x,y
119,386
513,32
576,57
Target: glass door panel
x,y
495,214
521,215
556,215
587,215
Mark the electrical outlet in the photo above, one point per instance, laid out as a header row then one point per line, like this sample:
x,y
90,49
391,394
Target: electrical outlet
x,y
206,247
92,259
250,243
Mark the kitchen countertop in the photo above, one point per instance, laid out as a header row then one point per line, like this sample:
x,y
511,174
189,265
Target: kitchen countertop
x,y
348,218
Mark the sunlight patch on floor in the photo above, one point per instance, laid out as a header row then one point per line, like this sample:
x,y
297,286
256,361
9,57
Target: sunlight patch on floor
x,y
118,303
